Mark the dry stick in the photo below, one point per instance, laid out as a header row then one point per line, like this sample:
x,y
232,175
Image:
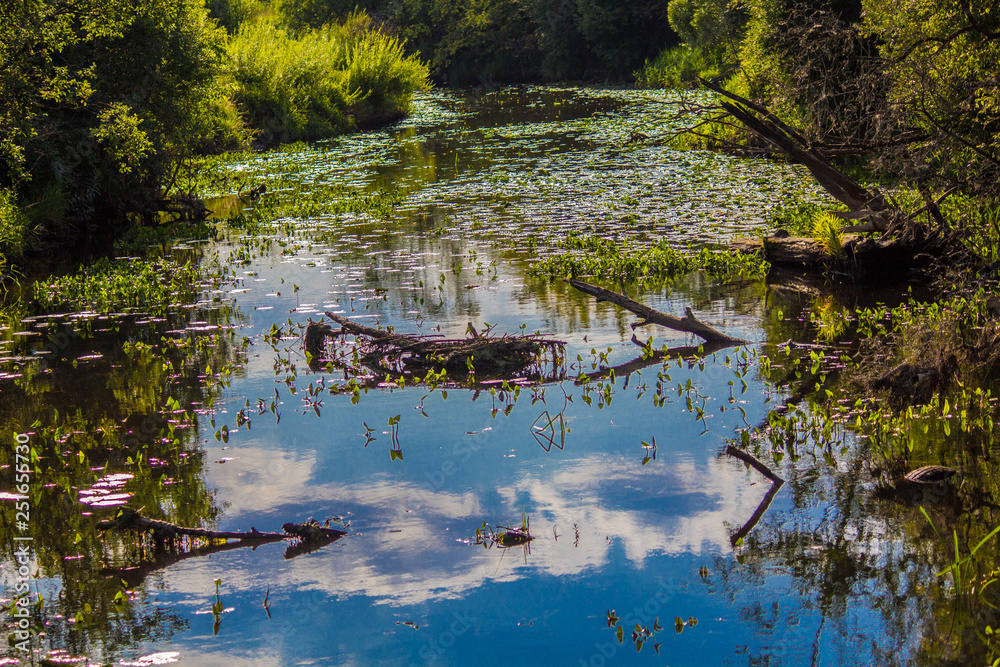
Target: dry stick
x,y
688,323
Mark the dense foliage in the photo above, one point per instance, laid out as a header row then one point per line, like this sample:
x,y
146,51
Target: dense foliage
x,y
489,41
321,83
910,90
104,104
99,101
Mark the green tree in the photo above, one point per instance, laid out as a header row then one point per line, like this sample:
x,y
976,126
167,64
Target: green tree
x,y
624,34
100,102
943,58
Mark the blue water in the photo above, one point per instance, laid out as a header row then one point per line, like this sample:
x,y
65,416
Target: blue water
x,y
408,585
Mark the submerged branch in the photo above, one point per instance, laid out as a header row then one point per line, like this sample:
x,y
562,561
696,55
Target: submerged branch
x,y
129,519
776,484
757,515
688,352
752,461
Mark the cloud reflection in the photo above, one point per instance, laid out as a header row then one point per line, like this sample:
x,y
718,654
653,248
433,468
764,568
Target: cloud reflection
x,y
410,542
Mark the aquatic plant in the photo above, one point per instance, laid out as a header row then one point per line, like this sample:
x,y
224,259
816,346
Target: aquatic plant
x,y
604,259
121,285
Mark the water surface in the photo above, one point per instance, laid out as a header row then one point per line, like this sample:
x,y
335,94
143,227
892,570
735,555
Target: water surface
x,y
491,182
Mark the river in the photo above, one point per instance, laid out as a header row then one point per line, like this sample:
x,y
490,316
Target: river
x,y
246,434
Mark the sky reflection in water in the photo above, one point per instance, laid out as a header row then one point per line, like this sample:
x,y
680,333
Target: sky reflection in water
x,y
611,533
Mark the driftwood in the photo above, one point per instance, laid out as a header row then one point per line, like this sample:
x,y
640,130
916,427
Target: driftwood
x,y
688,323
389,352
164,531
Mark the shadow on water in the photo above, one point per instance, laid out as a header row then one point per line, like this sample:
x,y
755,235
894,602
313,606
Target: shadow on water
x,y
209,415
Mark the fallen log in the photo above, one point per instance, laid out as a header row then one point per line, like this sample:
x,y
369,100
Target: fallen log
x,y
795,251
390,352
860,259
688,324
164,531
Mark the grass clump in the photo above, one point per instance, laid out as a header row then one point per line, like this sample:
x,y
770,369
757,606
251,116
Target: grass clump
x,y
321,83
603,259
108,286
826,232
796,218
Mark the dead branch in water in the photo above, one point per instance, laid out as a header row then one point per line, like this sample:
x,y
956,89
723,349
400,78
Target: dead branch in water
x,y
387,352
164,531
688,352
776,483
688,323
752,461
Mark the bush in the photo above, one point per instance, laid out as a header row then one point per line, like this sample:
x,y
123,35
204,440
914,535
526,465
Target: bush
x,y
14,225
678,67
323,83
381,78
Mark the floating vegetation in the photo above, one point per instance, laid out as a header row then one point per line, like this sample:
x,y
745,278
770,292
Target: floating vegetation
x,y
603,259
300,202
129,284
505,537
641,633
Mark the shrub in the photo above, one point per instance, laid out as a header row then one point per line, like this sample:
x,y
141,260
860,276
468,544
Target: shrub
x,y
323,83
678,67
14,226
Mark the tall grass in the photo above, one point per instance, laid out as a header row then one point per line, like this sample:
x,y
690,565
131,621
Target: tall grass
x,y
826,232
322,83
679,67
